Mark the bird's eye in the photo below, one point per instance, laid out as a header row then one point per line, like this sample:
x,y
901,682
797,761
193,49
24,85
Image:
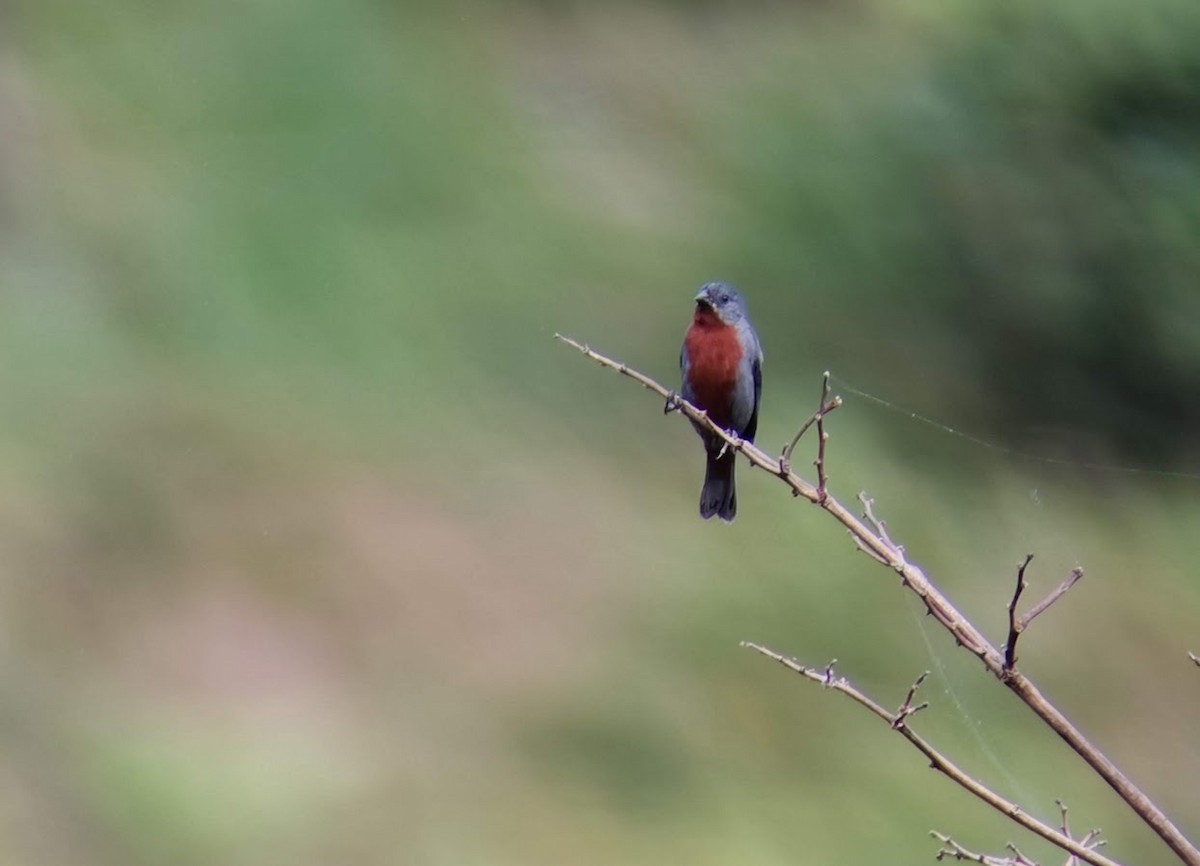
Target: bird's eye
x,y
724,299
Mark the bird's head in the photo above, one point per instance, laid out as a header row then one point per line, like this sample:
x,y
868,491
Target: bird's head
x,y
722,299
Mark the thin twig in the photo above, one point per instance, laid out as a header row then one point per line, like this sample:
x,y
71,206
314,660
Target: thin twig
x,y
868,505
826,406
937,760
1091,840
786,459
1018,857
1195,658
1059,591
943,610
1014,627
822,438
907,709
951,850
1062,811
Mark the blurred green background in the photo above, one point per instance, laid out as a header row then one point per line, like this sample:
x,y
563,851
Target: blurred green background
x,y
317,548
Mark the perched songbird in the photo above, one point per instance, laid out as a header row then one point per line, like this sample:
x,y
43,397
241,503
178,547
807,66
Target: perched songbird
x,y
721,363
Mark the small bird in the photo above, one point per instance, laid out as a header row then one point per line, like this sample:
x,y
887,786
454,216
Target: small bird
x,y
721,367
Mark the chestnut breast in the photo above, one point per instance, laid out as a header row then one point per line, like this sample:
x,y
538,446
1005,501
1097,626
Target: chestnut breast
x,y
714,355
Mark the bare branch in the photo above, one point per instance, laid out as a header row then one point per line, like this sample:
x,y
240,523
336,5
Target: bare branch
x,y
880,526
1014,627
907,709
951,850
1017,626
757,457
822,438
1091,839
1195,658
1059,591
940,607
786,458
826,406
1018,857
937,760
829,673
1062,811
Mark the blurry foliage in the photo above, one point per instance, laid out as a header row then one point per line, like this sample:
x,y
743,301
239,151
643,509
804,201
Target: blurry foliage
x,y
319,549
1009,196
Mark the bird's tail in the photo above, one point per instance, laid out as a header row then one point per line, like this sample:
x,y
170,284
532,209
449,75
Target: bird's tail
x,y
718,496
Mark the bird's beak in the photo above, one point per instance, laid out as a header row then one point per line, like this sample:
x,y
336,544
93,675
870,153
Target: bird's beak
x,y
703,300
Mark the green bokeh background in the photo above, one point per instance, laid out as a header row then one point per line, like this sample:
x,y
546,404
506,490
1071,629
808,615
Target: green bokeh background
x,y
317,548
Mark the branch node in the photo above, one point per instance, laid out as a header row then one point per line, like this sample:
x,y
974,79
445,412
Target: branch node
x,y
1062,810
881,533
951,850
826,405
829,672
1018,625
1014,627
907,709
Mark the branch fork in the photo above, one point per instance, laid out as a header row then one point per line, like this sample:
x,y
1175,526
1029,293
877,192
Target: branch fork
x,y
951,850
907,709
1091,839
937,760
1018,625
897,550
827,404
